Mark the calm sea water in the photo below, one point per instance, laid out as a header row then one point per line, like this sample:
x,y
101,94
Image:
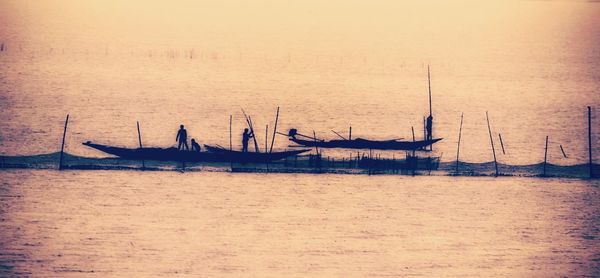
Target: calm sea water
x,y
140,224
534,65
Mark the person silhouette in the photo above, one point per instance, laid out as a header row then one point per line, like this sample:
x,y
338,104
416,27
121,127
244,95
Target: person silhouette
x,y
429,127
182,138
195,145
245,138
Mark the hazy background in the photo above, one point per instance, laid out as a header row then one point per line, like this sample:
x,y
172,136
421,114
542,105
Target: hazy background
x,y
535,65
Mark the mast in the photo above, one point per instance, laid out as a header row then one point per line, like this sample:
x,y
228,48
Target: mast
x,y
430,109
429,83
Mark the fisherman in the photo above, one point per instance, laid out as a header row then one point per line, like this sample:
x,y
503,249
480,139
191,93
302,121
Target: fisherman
x,y
245,138
429,127
182,138
195,145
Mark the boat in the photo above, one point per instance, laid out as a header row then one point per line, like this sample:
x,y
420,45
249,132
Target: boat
x,y
360,143
214,154
252,156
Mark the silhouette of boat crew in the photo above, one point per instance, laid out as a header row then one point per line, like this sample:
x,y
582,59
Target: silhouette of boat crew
x,y
195,145
182,138
245,138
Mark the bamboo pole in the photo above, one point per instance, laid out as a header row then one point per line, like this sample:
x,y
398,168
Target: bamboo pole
x,y
429,83
501,143
590,141
230,142
424,131
62,147
266,142
413,135
492,142
315,138
545,156
430,109
140,141
458,145
249,122
274,131
256,148
317,156
413,152
338,134
350,133
563,151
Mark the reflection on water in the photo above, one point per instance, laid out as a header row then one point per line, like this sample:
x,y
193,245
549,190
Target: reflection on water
x,y
218,224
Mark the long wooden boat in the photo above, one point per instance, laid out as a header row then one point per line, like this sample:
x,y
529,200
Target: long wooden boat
x,y
172,154
360,143
252,156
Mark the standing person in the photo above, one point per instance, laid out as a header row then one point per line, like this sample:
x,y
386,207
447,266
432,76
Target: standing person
x,y
195,145
245,138
182,138
429,127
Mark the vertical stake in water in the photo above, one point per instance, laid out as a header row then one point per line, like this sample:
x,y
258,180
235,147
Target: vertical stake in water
x,y
458,145
545,156
266,136
315,138
141,146
318,154
266,142
413,134
590,141
492,143
62,147
274,131
413,152
350,133
230,142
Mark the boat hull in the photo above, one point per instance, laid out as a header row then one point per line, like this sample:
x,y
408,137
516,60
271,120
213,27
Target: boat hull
x,y
172,154
252,156
367,144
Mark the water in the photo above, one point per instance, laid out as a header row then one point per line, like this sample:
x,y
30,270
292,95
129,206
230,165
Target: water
x,y
106,223
534,65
